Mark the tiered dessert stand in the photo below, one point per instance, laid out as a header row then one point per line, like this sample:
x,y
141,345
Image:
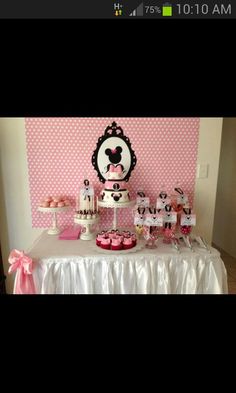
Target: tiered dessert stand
x,y
115,205
86,223
54,230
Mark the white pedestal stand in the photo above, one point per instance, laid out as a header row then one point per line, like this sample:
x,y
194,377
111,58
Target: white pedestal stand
x,y
54,230
115,205
88,234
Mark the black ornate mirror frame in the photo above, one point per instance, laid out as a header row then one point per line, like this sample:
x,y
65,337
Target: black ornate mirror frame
x,y
113,131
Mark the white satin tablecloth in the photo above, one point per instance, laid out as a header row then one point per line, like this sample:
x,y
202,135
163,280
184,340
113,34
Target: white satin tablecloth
x,y
75,267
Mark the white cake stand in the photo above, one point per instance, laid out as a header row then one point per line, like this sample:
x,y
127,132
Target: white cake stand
x,y
87,222
54,230
115,205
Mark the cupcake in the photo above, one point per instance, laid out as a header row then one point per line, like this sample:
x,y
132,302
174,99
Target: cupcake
x,y
127,243
105,243
99,238
116,244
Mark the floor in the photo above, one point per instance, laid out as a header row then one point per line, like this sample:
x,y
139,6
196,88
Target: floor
x,y
230,264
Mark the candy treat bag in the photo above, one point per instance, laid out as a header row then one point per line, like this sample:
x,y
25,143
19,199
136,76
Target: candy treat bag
x,y
187,221
179,200
169,224
153,222
142,200
139,220
162,200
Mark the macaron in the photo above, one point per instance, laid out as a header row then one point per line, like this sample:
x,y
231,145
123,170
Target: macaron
x,y
56,199
47,199
44,204
53,204
60,204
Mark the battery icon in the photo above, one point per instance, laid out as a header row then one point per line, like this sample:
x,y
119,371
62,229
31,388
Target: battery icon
x,y
167,9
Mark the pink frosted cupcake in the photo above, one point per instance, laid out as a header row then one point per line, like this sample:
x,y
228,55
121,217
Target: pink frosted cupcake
x,y
99,238
127,243
111,235
106,243
116,244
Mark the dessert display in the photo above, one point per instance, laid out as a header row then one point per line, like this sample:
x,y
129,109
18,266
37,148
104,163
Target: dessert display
x,y
114,160
54,201
115,240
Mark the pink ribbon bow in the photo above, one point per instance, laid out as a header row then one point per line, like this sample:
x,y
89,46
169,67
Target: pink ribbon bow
x,y
117,168
24,283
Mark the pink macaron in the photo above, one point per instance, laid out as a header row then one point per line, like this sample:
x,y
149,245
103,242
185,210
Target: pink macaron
x,y
60,204
53,204
56,199
44,204
48,199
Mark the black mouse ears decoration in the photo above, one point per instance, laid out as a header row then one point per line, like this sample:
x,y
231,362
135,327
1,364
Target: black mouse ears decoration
x,y
141,194
187,210
113,149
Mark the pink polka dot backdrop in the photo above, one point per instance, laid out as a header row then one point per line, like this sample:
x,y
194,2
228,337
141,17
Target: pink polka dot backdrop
x,y
59,152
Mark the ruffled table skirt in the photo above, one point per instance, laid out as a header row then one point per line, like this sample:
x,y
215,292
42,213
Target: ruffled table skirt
x,y
159,271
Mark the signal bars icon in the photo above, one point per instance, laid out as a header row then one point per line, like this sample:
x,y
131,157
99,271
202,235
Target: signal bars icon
x,y
137,11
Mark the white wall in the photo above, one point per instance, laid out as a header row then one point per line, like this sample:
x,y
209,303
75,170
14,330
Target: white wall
x,y
15,218
224,234
205,189
15,222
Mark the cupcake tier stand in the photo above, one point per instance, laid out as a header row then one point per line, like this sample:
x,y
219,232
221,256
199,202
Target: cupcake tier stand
x,y
88,234
115,205
54,230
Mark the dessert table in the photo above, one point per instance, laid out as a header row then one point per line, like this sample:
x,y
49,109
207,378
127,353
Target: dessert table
x,y
80,267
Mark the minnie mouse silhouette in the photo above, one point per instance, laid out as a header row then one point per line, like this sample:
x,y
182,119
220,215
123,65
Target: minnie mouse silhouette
x,y
114,154
114,157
